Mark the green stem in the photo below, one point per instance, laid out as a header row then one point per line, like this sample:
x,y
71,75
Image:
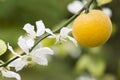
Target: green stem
x,y
6,63
86,7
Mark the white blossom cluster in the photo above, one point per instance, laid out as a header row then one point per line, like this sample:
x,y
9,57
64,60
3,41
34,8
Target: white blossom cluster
x,y
38,53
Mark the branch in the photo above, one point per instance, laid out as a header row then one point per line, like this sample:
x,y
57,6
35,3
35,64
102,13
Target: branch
x,y
85,7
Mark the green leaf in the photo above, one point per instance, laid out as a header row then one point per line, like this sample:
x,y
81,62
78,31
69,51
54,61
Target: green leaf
x,y
3,47
102,2
82,63
96,67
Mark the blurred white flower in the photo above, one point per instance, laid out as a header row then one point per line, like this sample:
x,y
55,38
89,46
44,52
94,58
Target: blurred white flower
x,y
85,77
40,29
107,11
37,55
9,74
76,6
63,36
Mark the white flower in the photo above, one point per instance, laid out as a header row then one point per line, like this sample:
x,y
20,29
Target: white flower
x,y
63,36
37,55
107,11
9,74
40,29
76,6
85,77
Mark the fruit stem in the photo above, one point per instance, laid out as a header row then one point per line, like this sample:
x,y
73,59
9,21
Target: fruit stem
x,y
86,8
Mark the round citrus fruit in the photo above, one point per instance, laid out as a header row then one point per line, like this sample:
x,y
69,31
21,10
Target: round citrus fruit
x,y
92,29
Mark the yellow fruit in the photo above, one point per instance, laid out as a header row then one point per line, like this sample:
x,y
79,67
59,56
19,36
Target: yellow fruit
x,y
92,29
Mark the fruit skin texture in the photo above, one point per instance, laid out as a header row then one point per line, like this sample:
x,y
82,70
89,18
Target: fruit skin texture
x,y
92,29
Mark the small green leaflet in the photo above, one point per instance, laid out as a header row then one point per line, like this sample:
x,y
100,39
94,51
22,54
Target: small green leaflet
x,y
102,2
3,47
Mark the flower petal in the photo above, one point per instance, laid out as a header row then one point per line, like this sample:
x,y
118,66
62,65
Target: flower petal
x,y
107,11
40,28
64,32
25,43
11,49
22,44
75,6
73,40
39,55
30,42
11,74
41,60
18,64
29,29
44,50
49,31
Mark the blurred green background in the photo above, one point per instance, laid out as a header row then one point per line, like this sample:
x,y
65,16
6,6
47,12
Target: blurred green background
x,y
69,62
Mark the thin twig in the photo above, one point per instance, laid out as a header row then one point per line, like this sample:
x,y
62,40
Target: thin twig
x,y
88,6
